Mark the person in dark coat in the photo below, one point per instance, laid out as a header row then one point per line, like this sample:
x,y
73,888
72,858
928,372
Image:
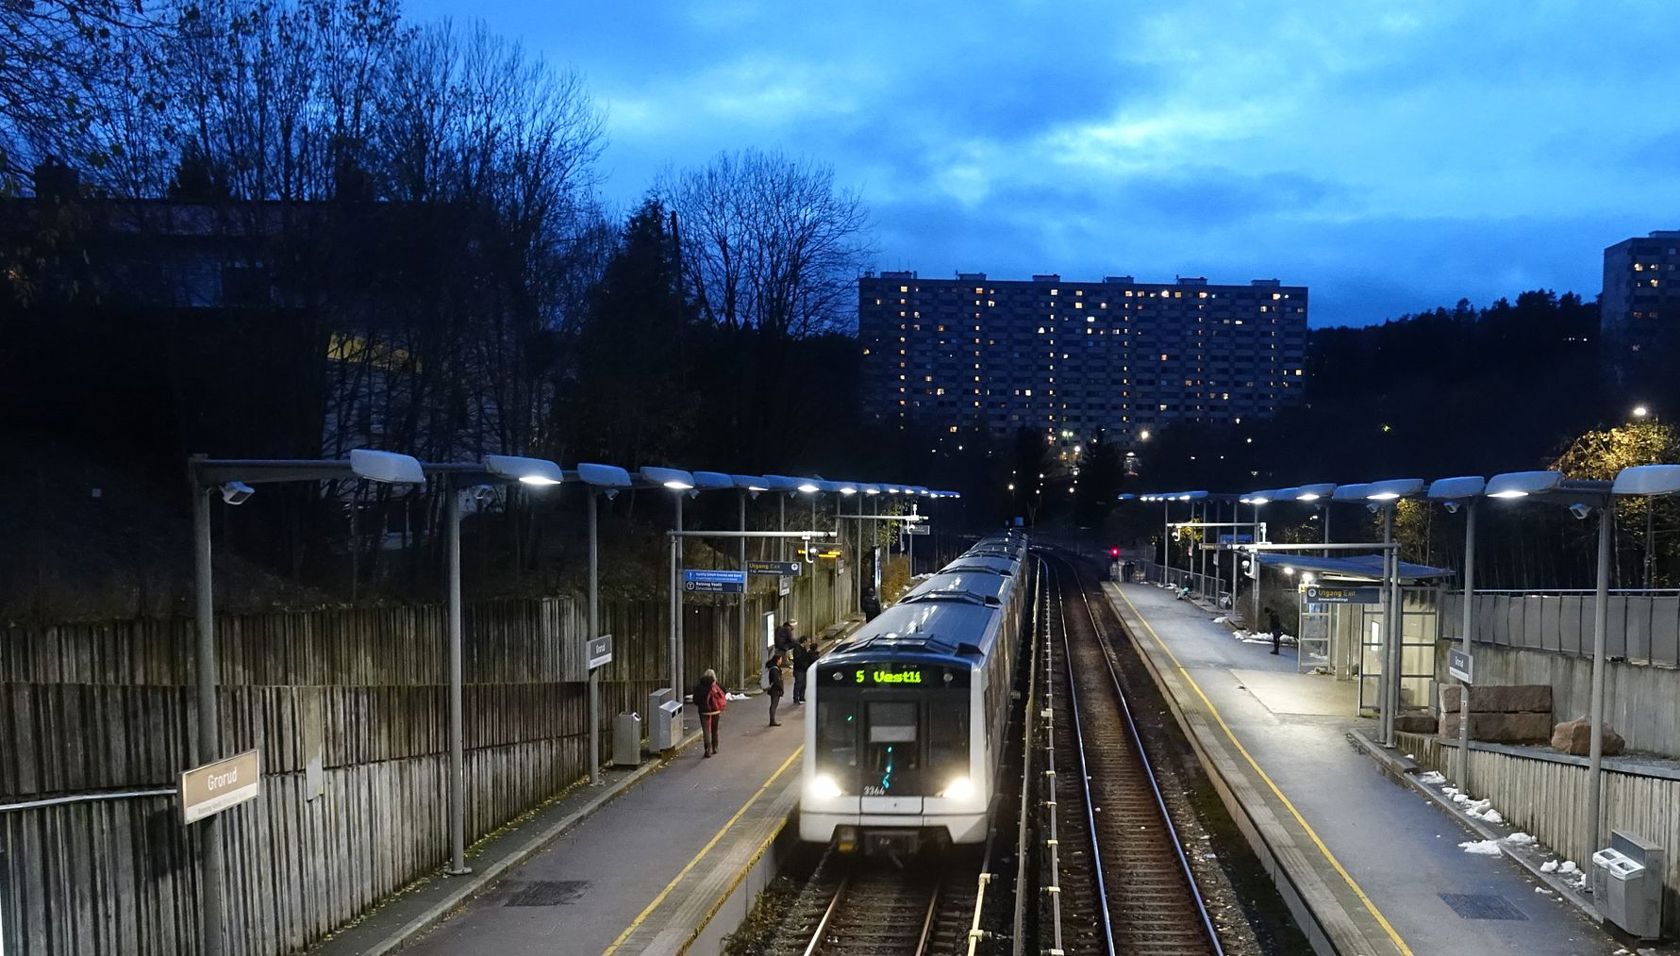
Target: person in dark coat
x,y
784,639
773,684
710,699
804,655
870,604
1276,627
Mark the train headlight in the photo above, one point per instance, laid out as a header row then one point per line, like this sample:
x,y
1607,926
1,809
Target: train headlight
x,y
959,789
824,785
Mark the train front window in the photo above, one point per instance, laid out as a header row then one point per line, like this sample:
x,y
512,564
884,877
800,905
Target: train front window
x,y
948,737
892,754
837,734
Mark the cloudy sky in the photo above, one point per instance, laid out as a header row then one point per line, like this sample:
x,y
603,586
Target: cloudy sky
x,y
1392,156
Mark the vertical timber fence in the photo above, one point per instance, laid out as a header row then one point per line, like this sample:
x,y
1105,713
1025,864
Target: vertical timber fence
x,y
348,708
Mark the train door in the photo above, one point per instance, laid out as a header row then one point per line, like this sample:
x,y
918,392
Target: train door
x,y
892,741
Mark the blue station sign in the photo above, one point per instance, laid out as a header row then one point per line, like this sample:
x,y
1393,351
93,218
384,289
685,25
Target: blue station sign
x,y
714,582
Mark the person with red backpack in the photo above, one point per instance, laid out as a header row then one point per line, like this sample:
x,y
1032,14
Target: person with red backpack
x,y
711,700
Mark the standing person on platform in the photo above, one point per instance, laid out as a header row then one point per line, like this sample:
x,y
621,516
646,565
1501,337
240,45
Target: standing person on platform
x,y
784,639
1275,626
710,699
804,655
870,604
772,684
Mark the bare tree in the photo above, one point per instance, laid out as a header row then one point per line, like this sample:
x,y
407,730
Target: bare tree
x,y
770,242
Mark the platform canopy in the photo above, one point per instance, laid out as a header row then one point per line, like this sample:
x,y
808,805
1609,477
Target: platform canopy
x,y
1362,567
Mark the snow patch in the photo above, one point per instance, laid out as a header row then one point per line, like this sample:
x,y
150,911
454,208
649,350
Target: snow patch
x,y
1481,847
1550,866
1521,839
1568,867
1433,778
1221,619
1492,816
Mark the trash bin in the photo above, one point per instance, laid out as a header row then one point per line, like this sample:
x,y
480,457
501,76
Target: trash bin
x,y
665,710
627,740
1627,884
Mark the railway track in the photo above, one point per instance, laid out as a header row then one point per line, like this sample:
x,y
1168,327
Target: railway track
x,y
1122,882
865,909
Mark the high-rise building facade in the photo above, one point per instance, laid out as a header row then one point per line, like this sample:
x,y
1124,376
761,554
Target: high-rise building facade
x,y
1639,313
1075,358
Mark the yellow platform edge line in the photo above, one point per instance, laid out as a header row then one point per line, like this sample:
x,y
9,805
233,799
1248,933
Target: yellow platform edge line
x,y
647,911
1335,864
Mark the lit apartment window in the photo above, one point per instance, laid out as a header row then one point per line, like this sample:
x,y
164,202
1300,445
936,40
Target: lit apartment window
x,y
904,288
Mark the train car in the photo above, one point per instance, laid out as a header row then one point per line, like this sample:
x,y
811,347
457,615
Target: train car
x,y
904,723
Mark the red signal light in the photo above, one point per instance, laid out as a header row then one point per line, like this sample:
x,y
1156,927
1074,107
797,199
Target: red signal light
x,y
1114,552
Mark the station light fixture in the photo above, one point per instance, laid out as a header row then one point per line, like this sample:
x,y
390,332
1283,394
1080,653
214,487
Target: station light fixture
x,y
526,471
1521,484
671,478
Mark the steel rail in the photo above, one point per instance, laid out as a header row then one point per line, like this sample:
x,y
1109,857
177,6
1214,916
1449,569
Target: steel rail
x,y
1149,774
1097,870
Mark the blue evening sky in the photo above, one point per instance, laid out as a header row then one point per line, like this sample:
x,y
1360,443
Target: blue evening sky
x,y
1392,156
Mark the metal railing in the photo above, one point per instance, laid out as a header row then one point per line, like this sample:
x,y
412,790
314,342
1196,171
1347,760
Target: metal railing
x,y
1203,587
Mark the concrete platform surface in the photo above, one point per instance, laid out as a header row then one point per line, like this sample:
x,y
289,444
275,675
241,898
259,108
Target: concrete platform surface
x,y
641,872
1379,864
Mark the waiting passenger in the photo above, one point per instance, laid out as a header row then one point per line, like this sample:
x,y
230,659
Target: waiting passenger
x,y
804,655
870,604
772,684
784,639
1275,626
711,700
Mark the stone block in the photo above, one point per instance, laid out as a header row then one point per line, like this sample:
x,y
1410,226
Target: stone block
x,y
1414,723
1501,728
1501,699
1575,737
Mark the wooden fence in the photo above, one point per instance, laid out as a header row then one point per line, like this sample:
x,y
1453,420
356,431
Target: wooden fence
x,y
1545,795
100,710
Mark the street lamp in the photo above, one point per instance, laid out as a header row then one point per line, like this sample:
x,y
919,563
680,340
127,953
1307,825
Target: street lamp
x,y
608,480
1383,496
1640,411
1455,493
459,476
682,483
232,480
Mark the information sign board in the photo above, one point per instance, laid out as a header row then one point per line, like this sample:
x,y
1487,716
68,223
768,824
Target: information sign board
x,y
1324,594
599,651
1458,665
714,582
214,787
781,568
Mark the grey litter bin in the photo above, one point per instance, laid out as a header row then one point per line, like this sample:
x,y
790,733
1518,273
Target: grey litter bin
x,y
665,710
627,740
1627,884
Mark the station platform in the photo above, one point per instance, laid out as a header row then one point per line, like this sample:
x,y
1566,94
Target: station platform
x,y
662,859
643,873
1368,865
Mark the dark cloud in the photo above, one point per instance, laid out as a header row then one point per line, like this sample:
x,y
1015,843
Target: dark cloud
x,y
1392,158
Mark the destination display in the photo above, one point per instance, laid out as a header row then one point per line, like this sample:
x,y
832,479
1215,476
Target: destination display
x,y
891,674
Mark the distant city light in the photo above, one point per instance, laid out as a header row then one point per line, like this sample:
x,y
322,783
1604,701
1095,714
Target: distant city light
x,y
1640,411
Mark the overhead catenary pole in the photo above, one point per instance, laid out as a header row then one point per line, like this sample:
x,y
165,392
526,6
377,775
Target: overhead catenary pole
x,y
457,744
1595,748
209,732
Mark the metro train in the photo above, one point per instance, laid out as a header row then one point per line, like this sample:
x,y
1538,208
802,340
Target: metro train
x,y
904,722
